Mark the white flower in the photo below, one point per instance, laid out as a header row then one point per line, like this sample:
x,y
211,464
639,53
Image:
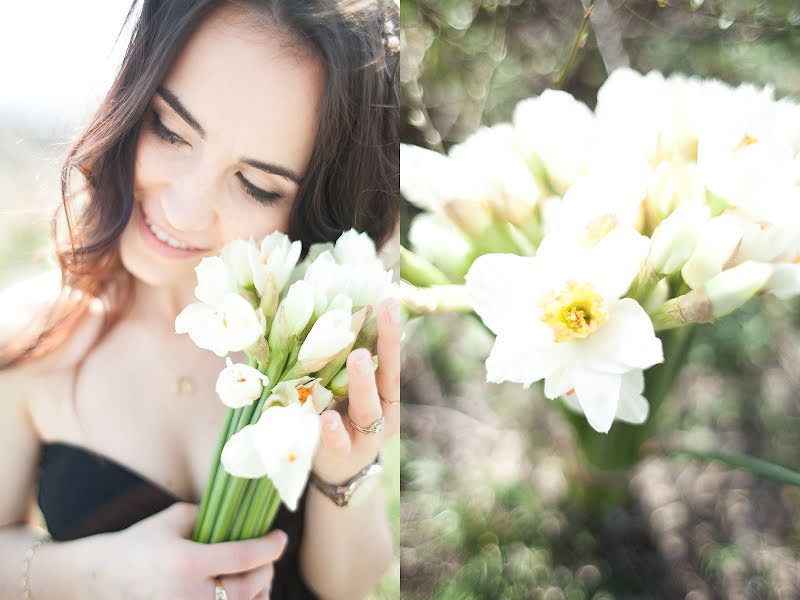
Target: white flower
x,y
240,385
632,407
435,239
675,238
558,316
733,287
352,269
719,240
214,280
556,132
231,326
281,445
294,312
236,255
302,390
273,263
329,335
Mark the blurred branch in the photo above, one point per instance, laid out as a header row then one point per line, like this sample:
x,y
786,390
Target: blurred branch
x,y
580,42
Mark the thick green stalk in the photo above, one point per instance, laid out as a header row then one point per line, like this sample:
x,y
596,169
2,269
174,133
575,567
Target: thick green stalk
x,y
239,518
224,434
272,505
216,484
255,510
230,502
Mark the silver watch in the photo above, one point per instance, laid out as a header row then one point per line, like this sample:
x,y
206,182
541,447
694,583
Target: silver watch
x,y
356,489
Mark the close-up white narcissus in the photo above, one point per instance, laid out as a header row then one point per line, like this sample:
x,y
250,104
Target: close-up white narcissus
x,y
560,316
281,445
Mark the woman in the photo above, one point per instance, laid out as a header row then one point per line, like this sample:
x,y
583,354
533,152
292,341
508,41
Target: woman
x,y
226,120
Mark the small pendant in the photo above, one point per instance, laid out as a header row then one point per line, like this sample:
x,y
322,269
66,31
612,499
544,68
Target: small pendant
x,y
184,386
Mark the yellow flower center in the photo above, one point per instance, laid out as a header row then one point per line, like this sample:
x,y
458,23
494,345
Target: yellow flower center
x,y
574,313
292,457
747,140
597,229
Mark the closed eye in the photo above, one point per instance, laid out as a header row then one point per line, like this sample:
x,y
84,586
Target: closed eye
x,y
255,192
158,127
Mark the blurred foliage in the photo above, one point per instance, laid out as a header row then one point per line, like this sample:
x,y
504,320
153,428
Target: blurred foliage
x,y
490,487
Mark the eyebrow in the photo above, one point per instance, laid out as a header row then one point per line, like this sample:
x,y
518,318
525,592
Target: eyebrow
x,y
184,114
179,108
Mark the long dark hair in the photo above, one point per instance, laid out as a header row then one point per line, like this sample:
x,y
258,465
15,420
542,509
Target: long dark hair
x,y
352,179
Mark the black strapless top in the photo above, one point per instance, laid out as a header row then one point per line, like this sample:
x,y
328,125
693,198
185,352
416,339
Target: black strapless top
x,y
82,493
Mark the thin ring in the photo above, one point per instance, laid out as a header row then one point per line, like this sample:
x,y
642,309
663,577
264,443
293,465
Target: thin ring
x,y
375,427
219,591
388,401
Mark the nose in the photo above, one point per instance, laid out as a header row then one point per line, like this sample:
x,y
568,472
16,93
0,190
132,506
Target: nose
x,y
188,203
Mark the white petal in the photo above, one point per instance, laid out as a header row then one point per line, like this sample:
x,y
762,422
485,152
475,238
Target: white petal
x,y
240,457
785,280
626,341
500,289
598,394
515,358
214,280
287,439
633,407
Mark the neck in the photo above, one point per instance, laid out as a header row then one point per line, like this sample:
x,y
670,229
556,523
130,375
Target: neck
x,y
162,303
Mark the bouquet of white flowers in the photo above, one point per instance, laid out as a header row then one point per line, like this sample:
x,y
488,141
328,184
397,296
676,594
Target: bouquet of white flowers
x,y
297,322
584,239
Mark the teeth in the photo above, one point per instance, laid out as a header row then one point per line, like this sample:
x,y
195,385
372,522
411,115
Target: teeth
x,y
162,235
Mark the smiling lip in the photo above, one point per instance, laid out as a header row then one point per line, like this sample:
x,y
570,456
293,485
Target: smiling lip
x,y
156,244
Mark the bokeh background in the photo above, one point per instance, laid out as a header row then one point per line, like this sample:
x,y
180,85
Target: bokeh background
x,y
59,58
490,500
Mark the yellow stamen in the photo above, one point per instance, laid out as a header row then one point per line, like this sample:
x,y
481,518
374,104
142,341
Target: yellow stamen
x,y
292,457
576,312
303,393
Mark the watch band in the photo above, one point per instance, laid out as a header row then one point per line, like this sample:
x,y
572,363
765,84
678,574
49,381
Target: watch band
x,y
341,493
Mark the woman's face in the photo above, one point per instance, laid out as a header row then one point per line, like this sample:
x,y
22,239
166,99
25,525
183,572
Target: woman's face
x,y
221,151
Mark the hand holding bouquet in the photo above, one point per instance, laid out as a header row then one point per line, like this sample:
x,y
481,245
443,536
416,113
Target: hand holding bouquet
x,y
297,322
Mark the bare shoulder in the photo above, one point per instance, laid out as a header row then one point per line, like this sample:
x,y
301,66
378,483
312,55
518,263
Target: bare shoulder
x,y
24,307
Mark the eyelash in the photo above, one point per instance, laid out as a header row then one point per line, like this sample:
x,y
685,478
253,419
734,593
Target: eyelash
x,y
170,137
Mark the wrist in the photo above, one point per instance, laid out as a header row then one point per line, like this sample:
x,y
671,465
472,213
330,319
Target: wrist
x,y
60,570
338,475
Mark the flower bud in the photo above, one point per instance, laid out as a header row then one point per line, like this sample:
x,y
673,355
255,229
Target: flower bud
x,y
718,243
240,385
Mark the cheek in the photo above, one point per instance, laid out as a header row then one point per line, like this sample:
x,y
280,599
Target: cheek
x,y
152,164
241,222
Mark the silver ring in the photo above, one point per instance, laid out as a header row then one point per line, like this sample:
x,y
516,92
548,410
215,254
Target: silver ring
x,y
375,427
219,591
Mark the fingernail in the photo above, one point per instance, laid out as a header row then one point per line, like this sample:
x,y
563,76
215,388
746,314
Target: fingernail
x,y
364,361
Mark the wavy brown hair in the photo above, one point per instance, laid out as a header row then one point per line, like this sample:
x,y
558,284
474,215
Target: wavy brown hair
x,y
352,179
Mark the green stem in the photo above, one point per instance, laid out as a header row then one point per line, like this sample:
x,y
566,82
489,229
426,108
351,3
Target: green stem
x,y
216,483
239,519
231,501
756,466
418,271
254,513
272,504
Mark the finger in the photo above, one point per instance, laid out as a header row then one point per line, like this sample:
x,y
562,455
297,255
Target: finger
x,y
364,404
335,437
388,375
252,585
238,556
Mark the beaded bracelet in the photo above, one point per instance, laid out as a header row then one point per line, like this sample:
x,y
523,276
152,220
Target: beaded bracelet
x,y
26,569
